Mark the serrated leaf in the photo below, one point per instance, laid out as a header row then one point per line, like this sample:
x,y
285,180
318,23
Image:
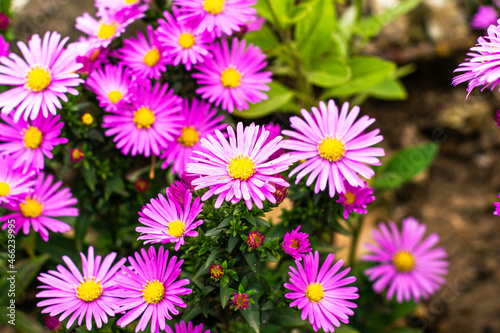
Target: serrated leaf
x,y
277,97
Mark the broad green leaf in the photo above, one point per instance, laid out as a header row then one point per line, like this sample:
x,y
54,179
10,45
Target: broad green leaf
x,y
277,97
390,89
329,72
280,7
251,261
261,222
264,38
191,312
233,241
224,295
252,316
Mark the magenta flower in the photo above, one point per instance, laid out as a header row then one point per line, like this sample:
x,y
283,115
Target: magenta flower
x,y
233,77
52,323
356,198
333,146
29,141
216,271
89,53
4,47
14,185
41,79
200,120
497,207
407,265
84,294
119,5
177,191
484,17
149,123
39,208
296,244
113,86
321,295
189,328
76,155
4,21
281,191
241,301
239,169
148,289
255,239
167,221
274,131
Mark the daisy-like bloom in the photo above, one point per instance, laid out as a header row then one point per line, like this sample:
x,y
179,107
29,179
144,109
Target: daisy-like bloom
x,y
29,141
217,16
497,207
81,294
216,271
233,76
149,123
14,184
112,84
182,42
76,155
356,198
255,239
167,221
4,47
296,244
200,120
322,295
118,5
241,168
145,57
149,289
41,79
189,328
333,146
485,16
38,208
408,266
87,119
241,301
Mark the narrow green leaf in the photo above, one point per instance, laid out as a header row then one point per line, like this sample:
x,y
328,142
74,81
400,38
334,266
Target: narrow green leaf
x,y
251,260
233,241
89,175
212,257
252,316
261,222
28,269
224,295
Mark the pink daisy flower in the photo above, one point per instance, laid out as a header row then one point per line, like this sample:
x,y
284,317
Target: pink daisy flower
x,y
29,141
407,266
14,185
4,47
149,289
497,207
41,79
81,294
118,5
168,221
274,131
485,16
322,296
38,208
112,85
233,76
189,328
182,42
200,120
217,16
149,123
296,244
241,168
145,57
356,198
334,147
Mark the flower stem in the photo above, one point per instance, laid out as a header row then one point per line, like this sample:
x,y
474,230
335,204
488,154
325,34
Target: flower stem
x,y
356,230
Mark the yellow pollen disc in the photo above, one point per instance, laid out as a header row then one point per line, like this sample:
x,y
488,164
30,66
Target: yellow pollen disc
x,y
404,261
186,40
144,118
294,244
31,208
315,292
130,2
176,228
76,154
189,137
331,149
87,119
151,57
106,30
349,198
89,290
4,189
230,78
38,79
32,137
213,6
115,96
241,167
154,292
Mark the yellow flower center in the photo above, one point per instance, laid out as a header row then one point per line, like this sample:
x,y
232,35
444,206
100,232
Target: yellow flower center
x,y
152,57
77,154
115,96
331,149
189,137
31,208
106,30
315,292
4,189
404,261
230,78
216,271
294,244
349,198
89,290
176,228
144,118
87,119
213,6
186,40
32,137
241,167
154,292
130,2
38,79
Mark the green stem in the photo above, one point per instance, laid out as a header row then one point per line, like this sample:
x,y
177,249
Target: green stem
x,y
356,230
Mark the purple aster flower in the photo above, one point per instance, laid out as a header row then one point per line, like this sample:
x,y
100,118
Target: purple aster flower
x,y
355,198
255,239
149,290
4,47
145,57
321,295
333,146
485,16
167,221
38,208
41,79
14,185
216,271
233,77
200,120
241,301
189,328
119,5
182,42
113,86
497,207
274,131
408,266
89,53
241,168
81,294
29,141
296,244
52,323
177,191
149,123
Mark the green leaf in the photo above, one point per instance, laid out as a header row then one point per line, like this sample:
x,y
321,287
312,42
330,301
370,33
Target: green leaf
x,y
191,312
329,72
114,185
390,89
28,269
224,295
281,8
212,257
346,329
250,218
261,222
252,316
251,261
264,38
24,323
233,241
89,175
299,13
277,97
287,317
